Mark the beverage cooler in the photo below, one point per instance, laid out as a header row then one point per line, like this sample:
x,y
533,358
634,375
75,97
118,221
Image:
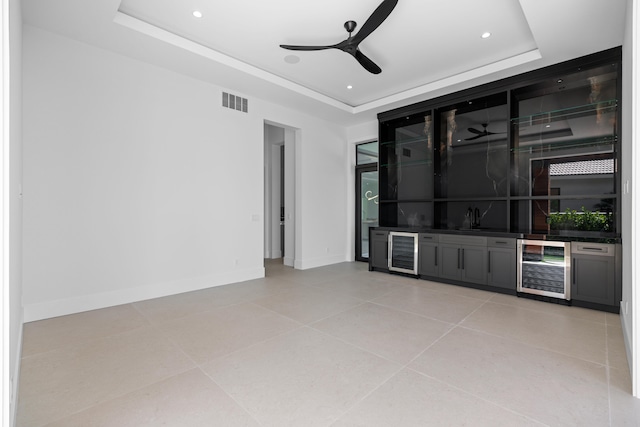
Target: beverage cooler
x,y
403,252
544,268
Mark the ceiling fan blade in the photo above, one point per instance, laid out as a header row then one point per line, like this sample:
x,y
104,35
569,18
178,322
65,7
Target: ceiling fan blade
x,y
368,64
293,47
472,130
377,17
475,137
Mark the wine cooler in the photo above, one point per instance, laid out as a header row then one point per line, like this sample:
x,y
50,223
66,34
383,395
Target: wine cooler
x,y
544,268
403,252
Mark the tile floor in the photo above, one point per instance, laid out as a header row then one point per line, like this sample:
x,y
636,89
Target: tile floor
x,y
331,346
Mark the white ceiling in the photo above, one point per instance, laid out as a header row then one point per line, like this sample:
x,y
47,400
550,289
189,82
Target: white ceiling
x,y
425,48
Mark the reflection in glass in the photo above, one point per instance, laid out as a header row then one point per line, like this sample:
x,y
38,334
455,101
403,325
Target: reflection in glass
x,y
573,116
473,156
564,152
367,153
488,215
407,214
406,159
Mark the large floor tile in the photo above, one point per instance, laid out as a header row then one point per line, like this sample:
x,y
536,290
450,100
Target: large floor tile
x,y
616,350
557,332
190,399
50,334
396,335
345,267
366,286
313,276
61,382
531,304
188,303
454,289
210,334
303,378
625,409
549,387
437,305
411,399
308,303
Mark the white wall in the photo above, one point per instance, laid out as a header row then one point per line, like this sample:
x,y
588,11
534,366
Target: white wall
x,y
139,184
631,191
14,201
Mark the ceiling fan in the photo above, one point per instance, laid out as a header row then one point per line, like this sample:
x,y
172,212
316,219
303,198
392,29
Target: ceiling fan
x,y
481,133
350,45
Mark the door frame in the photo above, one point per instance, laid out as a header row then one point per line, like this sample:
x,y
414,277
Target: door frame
x,y
360,169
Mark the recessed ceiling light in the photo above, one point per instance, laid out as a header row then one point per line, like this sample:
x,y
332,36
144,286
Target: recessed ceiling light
x,y
291,59
548,126
349,87
197,14
486,35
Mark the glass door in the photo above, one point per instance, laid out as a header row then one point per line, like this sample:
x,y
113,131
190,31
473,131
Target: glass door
x,y
366,196
367,209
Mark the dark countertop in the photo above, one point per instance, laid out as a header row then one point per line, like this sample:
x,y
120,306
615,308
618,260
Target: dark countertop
x,y
565,237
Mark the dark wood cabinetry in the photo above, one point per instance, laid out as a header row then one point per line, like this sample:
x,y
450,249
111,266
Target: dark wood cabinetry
x,y
501,253
536,153
379,250
593,273
428,255
463,258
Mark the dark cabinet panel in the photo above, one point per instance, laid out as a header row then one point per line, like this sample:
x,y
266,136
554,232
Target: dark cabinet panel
x,y
450,261
463,258
593,273
474,264
502,268
378,251
428,255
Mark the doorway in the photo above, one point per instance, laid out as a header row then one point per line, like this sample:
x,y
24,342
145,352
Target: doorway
x,y
279,193
366,196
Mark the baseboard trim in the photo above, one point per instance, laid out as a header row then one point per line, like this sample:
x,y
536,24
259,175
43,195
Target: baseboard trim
x,y
320,261
62,307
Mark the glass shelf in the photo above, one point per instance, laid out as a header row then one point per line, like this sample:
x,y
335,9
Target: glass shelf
x,y
603,107
407,163
421,139
564,145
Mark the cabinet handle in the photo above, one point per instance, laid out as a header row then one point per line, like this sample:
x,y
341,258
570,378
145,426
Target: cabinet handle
x,y
458,258
436,256
463,258
592,249
489,262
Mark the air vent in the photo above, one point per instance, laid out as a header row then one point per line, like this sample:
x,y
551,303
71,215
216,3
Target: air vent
x,y
235,102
